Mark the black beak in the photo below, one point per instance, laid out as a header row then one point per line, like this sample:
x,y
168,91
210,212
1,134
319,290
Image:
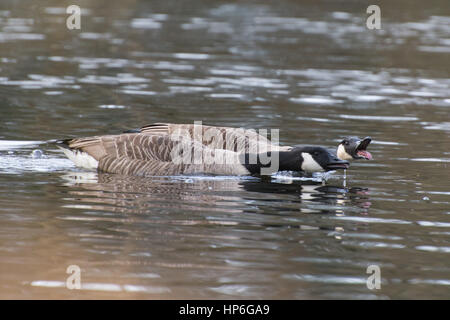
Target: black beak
x,y
364,143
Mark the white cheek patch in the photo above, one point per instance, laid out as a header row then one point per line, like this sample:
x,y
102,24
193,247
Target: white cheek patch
x,y
342,154
309,164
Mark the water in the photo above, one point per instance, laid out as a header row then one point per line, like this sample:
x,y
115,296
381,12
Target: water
x,y
312,70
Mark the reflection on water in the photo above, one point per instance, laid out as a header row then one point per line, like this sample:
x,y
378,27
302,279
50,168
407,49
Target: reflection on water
x,y
311,69
109,192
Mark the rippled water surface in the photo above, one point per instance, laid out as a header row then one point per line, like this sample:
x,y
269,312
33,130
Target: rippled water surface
x,y
310,68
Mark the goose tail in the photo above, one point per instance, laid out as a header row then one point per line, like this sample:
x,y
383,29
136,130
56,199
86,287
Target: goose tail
x,y
80,158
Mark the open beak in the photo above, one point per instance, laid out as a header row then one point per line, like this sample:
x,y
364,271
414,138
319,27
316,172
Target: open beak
x,y
361,152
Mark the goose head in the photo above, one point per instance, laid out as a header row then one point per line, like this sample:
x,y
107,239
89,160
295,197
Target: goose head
x,y
354,148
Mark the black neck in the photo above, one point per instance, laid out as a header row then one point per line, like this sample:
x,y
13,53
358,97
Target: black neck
x,y
287,161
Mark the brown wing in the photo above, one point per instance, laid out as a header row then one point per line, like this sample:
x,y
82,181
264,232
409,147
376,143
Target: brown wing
x,y
239,140
146,155
132,146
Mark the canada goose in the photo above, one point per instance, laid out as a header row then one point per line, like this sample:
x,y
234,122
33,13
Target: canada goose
x,y
173,149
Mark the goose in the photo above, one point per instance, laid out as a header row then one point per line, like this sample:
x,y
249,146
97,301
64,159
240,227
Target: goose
x,y
165,149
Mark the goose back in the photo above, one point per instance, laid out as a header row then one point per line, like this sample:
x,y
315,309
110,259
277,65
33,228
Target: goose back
x,y
226,138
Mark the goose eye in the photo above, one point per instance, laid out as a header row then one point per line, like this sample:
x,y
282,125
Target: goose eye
x,y
316,153
346,142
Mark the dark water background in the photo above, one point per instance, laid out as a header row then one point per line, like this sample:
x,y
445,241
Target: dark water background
x,y
310,68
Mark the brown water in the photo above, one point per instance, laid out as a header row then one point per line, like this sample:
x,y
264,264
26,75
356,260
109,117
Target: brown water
x,y
310,68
